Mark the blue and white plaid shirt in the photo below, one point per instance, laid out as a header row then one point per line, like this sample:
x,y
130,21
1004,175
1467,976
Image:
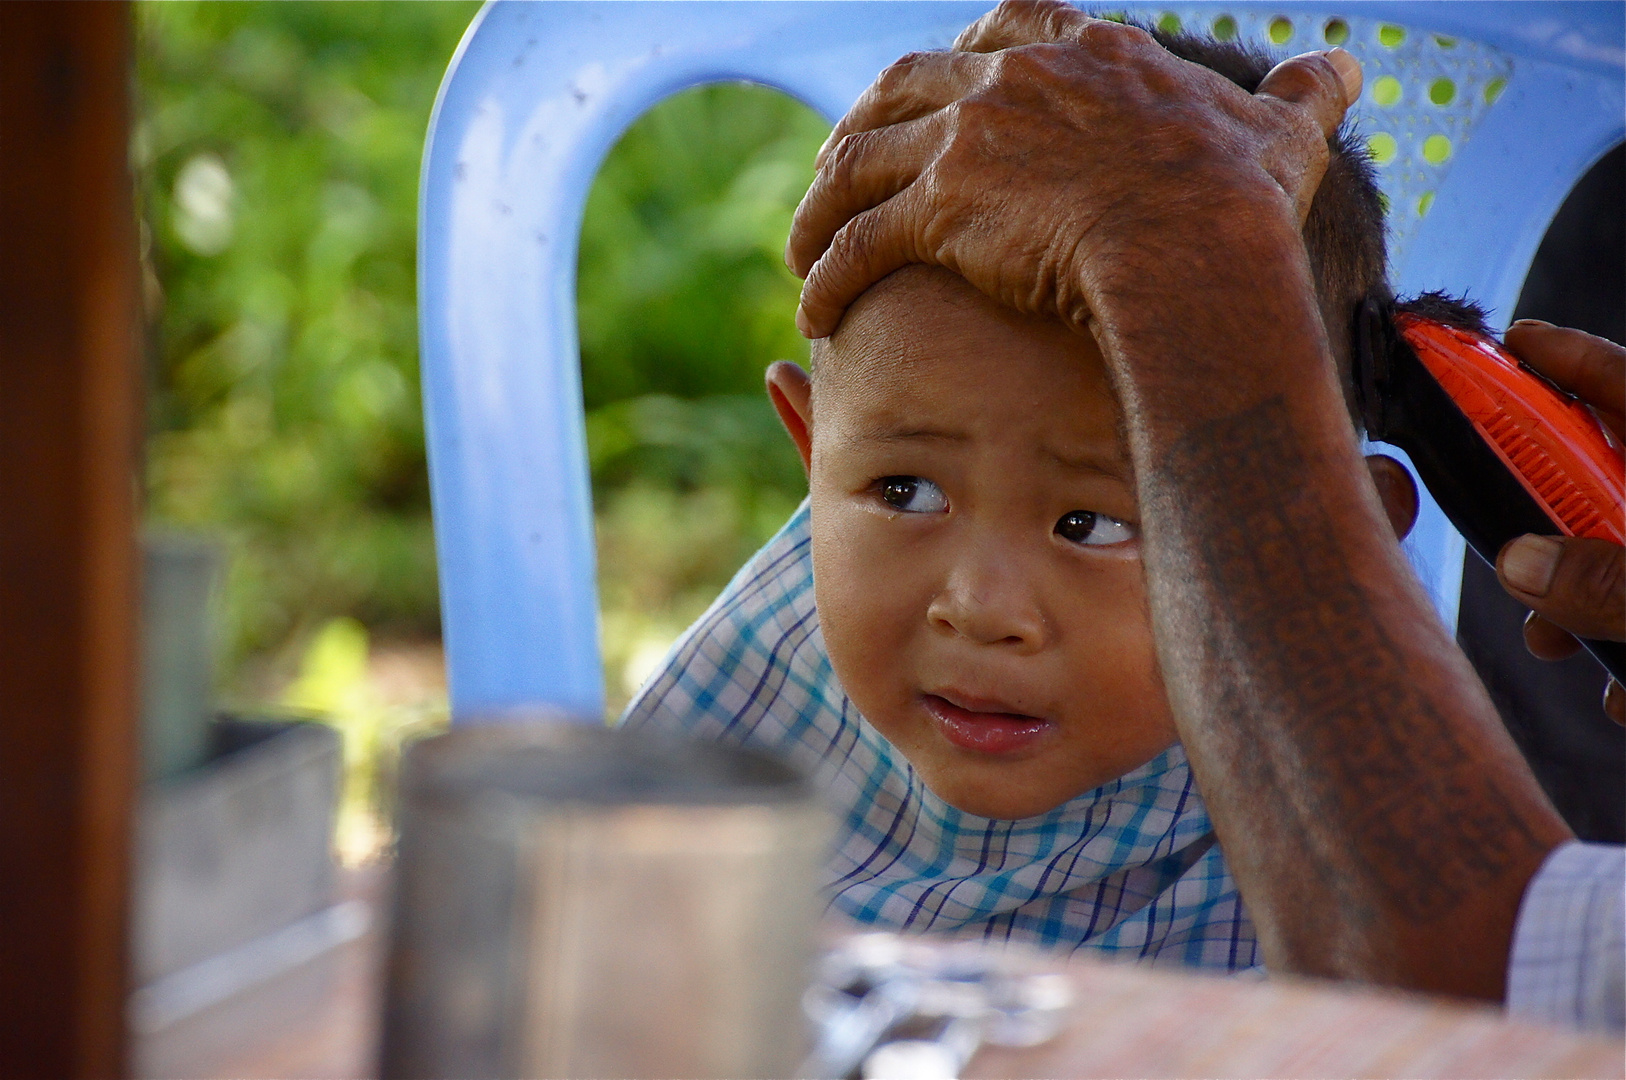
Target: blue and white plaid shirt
x,y
1131,868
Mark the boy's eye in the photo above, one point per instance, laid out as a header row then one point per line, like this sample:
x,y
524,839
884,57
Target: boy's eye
x,y
913,495
1092,529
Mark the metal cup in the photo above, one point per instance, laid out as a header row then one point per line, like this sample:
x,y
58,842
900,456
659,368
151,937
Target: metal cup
x,y
573,901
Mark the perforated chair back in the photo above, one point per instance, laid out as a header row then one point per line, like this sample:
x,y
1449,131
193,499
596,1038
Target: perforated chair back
x,y
1481,115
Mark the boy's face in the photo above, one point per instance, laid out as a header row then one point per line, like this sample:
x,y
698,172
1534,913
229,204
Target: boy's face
x,y
975,545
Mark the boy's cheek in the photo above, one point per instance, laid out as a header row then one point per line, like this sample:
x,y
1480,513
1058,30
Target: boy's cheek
x,y
865,583
871,598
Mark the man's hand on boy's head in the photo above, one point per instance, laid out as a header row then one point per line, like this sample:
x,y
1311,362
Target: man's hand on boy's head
x,y
1047,149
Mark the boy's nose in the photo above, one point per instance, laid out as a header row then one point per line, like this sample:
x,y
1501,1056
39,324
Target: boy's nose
x,y
990,605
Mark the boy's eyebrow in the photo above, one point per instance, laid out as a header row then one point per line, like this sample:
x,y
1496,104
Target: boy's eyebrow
x,y
1109,465
888,431
902,434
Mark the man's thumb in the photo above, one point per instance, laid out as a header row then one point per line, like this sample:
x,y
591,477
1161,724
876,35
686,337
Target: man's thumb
x,y
1326,83
1577,583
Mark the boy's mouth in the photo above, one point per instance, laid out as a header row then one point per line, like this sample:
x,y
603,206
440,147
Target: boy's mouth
x,y
982,726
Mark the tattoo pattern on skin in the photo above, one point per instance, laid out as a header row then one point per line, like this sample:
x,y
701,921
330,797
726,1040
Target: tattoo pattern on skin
x,y
1293,642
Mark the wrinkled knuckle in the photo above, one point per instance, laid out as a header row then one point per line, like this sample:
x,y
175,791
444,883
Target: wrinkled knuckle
x,y
1588,593
1027,63
936,183
972,115
1310,72
818,287
985,34
897,73
968,134
1114,41
1013,11
854,243
971,36
1131,38
1323,90
1053,23
844,158
1064,22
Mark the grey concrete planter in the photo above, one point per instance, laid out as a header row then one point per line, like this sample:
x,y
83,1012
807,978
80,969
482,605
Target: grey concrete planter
x,y
237,848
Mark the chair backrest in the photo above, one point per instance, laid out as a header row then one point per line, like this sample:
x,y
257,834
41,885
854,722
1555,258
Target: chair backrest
x,y
1483,116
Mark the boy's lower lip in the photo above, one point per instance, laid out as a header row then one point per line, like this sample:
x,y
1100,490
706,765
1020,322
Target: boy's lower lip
x,y
985,732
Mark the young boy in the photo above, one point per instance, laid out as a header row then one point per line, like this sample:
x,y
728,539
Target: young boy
x,y
952,636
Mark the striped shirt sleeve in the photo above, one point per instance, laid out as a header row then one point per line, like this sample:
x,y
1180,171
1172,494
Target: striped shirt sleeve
x,y
1568,964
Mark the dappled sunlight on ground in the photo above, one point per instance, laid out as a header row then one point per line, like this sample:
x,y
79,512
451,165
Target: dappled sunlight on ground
x,y
379,697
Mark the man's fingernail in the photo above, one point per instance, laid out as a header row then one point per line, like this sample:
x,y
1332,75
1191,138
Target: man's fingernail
x,y
1614,702
1349,72
789,265
1533,322
803,326
1530,562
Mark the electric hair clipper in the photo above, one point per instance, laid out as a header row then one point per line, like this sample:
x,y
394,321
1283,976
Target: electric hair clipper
x,y
1500,448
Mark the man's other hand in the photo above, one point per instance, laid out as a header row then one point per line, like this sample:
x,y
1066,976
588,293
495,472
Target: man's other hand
x,y
1574,586
1045,151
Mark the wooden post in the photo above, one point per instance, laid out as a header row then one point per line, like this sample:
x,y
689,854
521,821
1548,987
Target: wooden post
x,y
69,430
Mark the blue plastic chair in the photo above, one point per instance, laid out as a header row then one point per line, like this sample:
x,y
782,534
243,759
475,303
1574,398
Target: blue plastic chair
x,y
1484,116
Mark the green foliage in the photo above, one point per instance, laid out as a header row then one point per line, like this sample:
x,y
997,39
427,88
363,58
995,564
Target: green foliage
x,y
276,149
683,288
683,300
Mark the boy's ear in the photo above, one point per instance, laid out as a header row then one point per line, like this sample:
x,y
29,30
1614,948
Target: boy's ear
x,y
791,391
1397,491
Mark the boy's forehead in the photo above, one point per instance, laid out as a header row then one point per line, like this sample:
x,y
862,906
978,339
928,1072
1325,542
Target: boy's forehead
x,y
915,322
923,354
906,308
912,289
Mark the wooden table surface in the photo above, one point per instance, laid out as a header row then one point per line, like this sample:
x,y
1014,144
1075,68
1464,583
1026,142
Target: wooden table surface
x,y
1130,1021
320,1021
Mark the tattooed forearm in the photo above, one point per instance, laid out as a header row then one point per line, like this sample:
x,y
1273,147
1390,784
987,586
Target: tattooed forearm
x,y
1316,659
1354,773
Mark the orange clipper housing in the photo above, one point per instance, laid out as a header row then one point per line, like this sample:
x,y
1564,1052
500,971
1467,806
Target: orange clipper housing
x,y
1550,442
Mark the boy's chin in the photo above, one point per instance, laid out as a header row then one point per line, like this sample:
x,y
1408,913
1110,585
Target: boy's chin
x,y
978,799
